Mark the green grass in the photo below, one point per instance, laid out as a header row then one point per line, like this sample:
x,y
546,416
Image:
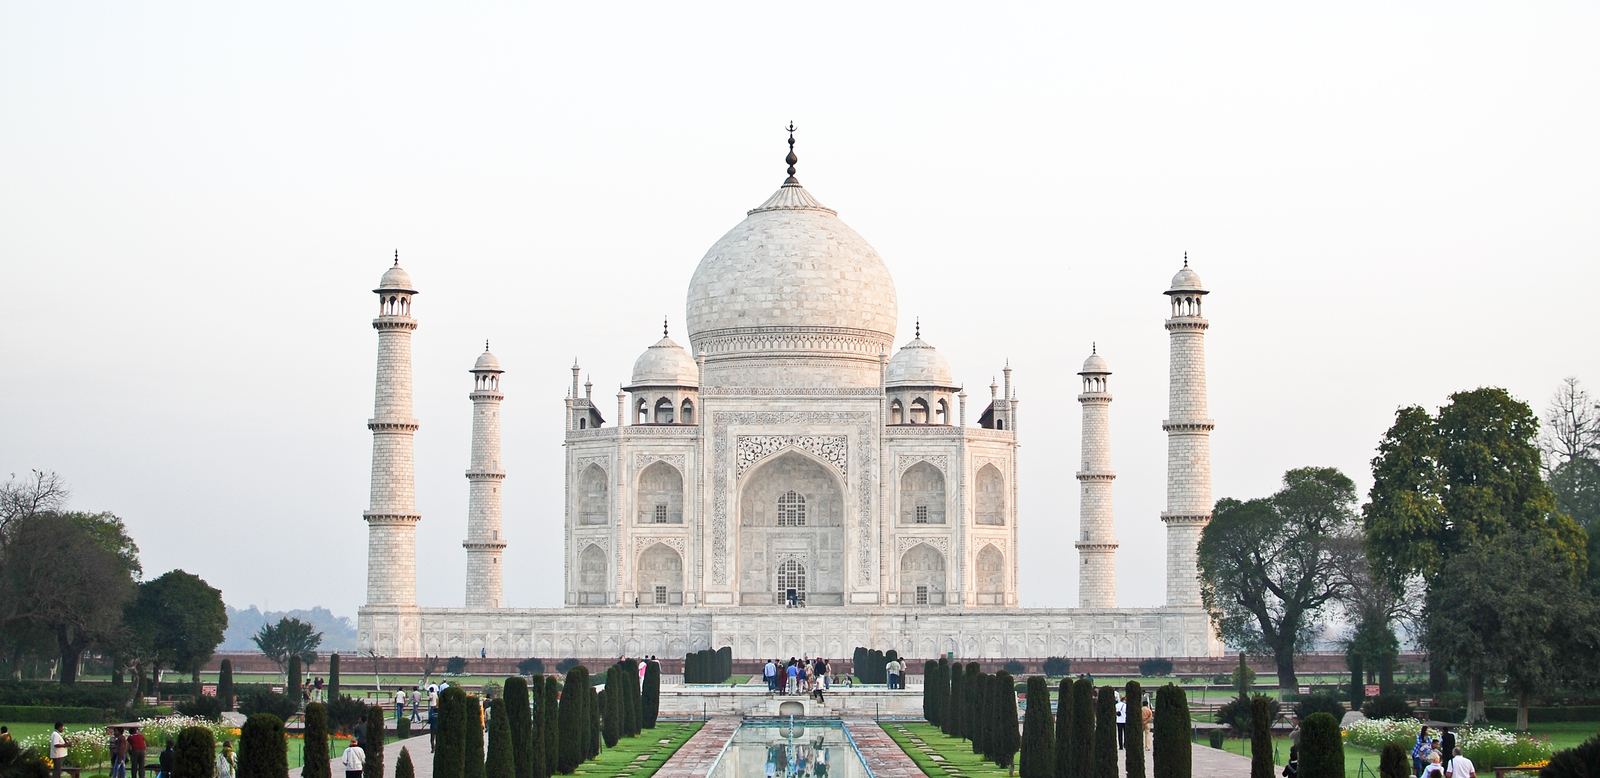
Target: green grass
x,y
1561,735
618,761
956,753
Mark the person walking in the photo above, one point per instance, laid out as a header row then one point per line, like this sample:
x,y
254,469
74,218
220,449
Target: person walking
x,y
892,669
225,761
399,706
416,700
1433,768
1146,715
119,753
58,748
169,755
354,760
136,751
770,672
433,725
1292,769
1122,723
1460,766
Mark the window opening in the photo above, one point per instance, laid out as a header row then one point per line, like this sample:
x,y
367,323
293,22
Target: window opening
x,y
922,595
661,594
661,514
922,514
791,510
792,582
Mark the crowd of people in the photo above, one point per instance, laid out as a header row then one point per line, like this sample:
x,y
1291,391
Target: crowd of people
x,y
800,676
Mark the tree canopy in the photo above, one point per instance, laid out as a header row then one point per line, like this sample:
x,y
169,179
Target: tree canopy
x,y
181,618
289,637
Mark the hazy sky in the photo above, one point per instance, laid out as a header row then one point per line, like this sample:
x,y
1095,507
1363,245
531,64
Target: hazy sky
x,y
1389,202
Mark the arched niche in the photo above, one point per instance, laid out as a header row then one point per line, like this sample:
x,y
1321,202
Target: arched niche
x,y
922,495
660,576
922,576
991,496
660,494
594,496
991,577
592,576
791,508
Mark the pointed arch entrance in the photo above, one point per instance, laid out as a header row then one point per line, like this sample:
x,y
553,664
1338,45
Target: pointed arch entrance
x,y
791,523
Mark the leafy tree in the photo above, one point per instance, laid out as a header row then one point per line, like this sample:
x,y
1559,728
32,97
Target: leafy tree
x,y
455,665
519,720
180,617
1038,758
1576,485
289,637
501,762
1065,761
196,754
1171,756
403,768
1105,734
531,666
1057,667
1261,714
1155,668
1007,739
225,684
375,738
316,743
263,749
651,701
1442,483
1268,567
1133,694
1321,749
450,740
1319,702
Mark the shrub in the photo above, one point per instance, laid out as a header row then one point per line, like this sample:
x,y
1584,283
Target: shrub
x,y
19,762
374,745
1239,715
205,706
1215,736
316,743
491,690
1014,667
1133,695
1056,666
519,721
44,714
500,763
1038,758
1321,748
1374,734
344,714
57,695
402,728
449,739
263,751
1387,706
1580,761
293,687
455,665
573,737
1105,734
1170,748
196,754
1262,712
531,666
1320,702
225,684
1007,739
403,767
1493,747
1155,668
1393,762
264,701
565,665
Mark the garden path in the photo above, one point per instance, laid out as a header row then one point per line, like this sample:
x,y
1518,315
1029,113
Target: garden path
x,y
421,758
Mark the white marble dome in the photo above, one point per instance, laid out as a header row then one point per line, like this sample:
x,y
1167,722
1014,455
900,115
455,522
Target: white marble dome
x,y
395,279
486,363
665,364
919,364
1186,280
793,268
1095,365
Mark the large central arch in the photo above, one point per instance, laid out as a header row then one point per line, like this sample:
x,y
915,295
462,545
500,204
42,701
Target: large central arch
x,y
791,509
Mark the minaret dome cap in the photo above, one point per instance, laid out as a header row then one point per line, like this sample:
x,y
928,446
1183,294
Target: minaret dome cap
x,y
395,279
1095,365
487,363
1186,282
666,364
919,364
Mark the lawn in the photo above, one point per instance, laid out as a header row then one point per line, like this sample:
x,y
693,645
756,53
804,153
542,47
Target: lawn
x,y
943,755
1561,735
642,756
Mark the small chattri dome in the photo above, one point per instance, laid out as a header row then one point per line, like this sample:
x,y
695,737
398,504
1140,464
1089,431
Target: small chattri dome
x,y
1187,280
1095,365
919,364
486,363
665,364
395,279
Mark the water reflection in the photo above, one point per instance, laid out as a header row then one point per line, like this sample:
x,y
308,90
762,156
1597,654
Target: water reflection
x,y
782,750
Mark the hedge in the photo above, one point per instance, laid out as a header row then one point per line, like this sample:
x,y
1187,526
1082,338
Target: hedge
x,y
1535,715
44,714
58,695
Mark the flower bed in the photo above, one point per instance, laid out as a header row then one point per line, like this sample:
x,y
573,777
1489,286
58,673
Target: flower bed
x,y
1486,746
92,747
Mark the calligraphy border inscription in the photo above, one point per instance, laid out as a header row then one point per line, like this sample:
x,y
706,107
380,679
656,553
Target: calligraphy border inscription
x,y
719,508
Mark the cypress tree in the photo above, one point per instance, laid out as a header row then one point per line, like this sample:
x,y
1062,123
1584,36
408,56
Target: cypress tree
x,y
1392,763
1170,747
501,761
550,725
1358,688
263,749
1038,758
472,732
930,672
592,705
375,737
978,718
403,767
574,721
1133,695
1261,763
952,720
630,675
1066,763
333,677
1321,750
969,706
225,684
1105,734
197,755
1007,739
944,691
449,758
1083,722
293,686
611,705
650,699
519,723
316,754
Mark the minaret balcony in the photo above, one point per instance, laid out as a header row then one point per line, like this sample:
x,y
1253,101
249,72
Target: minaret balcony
x,y
1188,425
393,425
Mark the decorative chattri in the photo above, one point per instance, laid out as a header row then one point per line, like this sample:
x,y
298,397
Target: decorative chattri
x,y
791,159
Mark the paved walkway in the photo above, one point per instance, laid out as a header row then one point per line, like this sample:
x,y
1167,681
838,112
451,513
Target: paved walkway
x,y
883,755
421,758
694,758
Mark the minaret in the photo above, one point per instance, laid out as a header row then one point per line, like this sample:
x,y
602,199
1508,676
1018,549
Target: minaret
x,y
484,544
392,518
1097,543
1188,427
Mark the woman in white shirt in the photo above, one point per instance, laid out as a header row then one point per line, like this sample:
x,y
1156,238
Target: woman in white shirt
x,y
354,760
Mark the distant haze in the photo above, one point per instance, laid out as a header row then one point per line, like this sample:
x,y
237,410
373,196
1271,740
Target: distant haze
x,y
1389,202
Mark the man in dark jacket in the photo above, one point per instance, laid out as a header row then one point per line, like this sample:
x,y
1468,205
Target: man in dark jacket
x,y
168,756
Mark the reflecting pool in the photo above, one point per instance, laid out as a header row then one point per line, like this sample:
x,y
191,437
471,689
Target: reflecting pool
x,y
804,749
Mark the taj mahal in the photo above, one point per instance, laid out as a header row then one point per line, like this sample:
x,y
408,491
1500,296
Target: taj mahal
x,y
789,484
